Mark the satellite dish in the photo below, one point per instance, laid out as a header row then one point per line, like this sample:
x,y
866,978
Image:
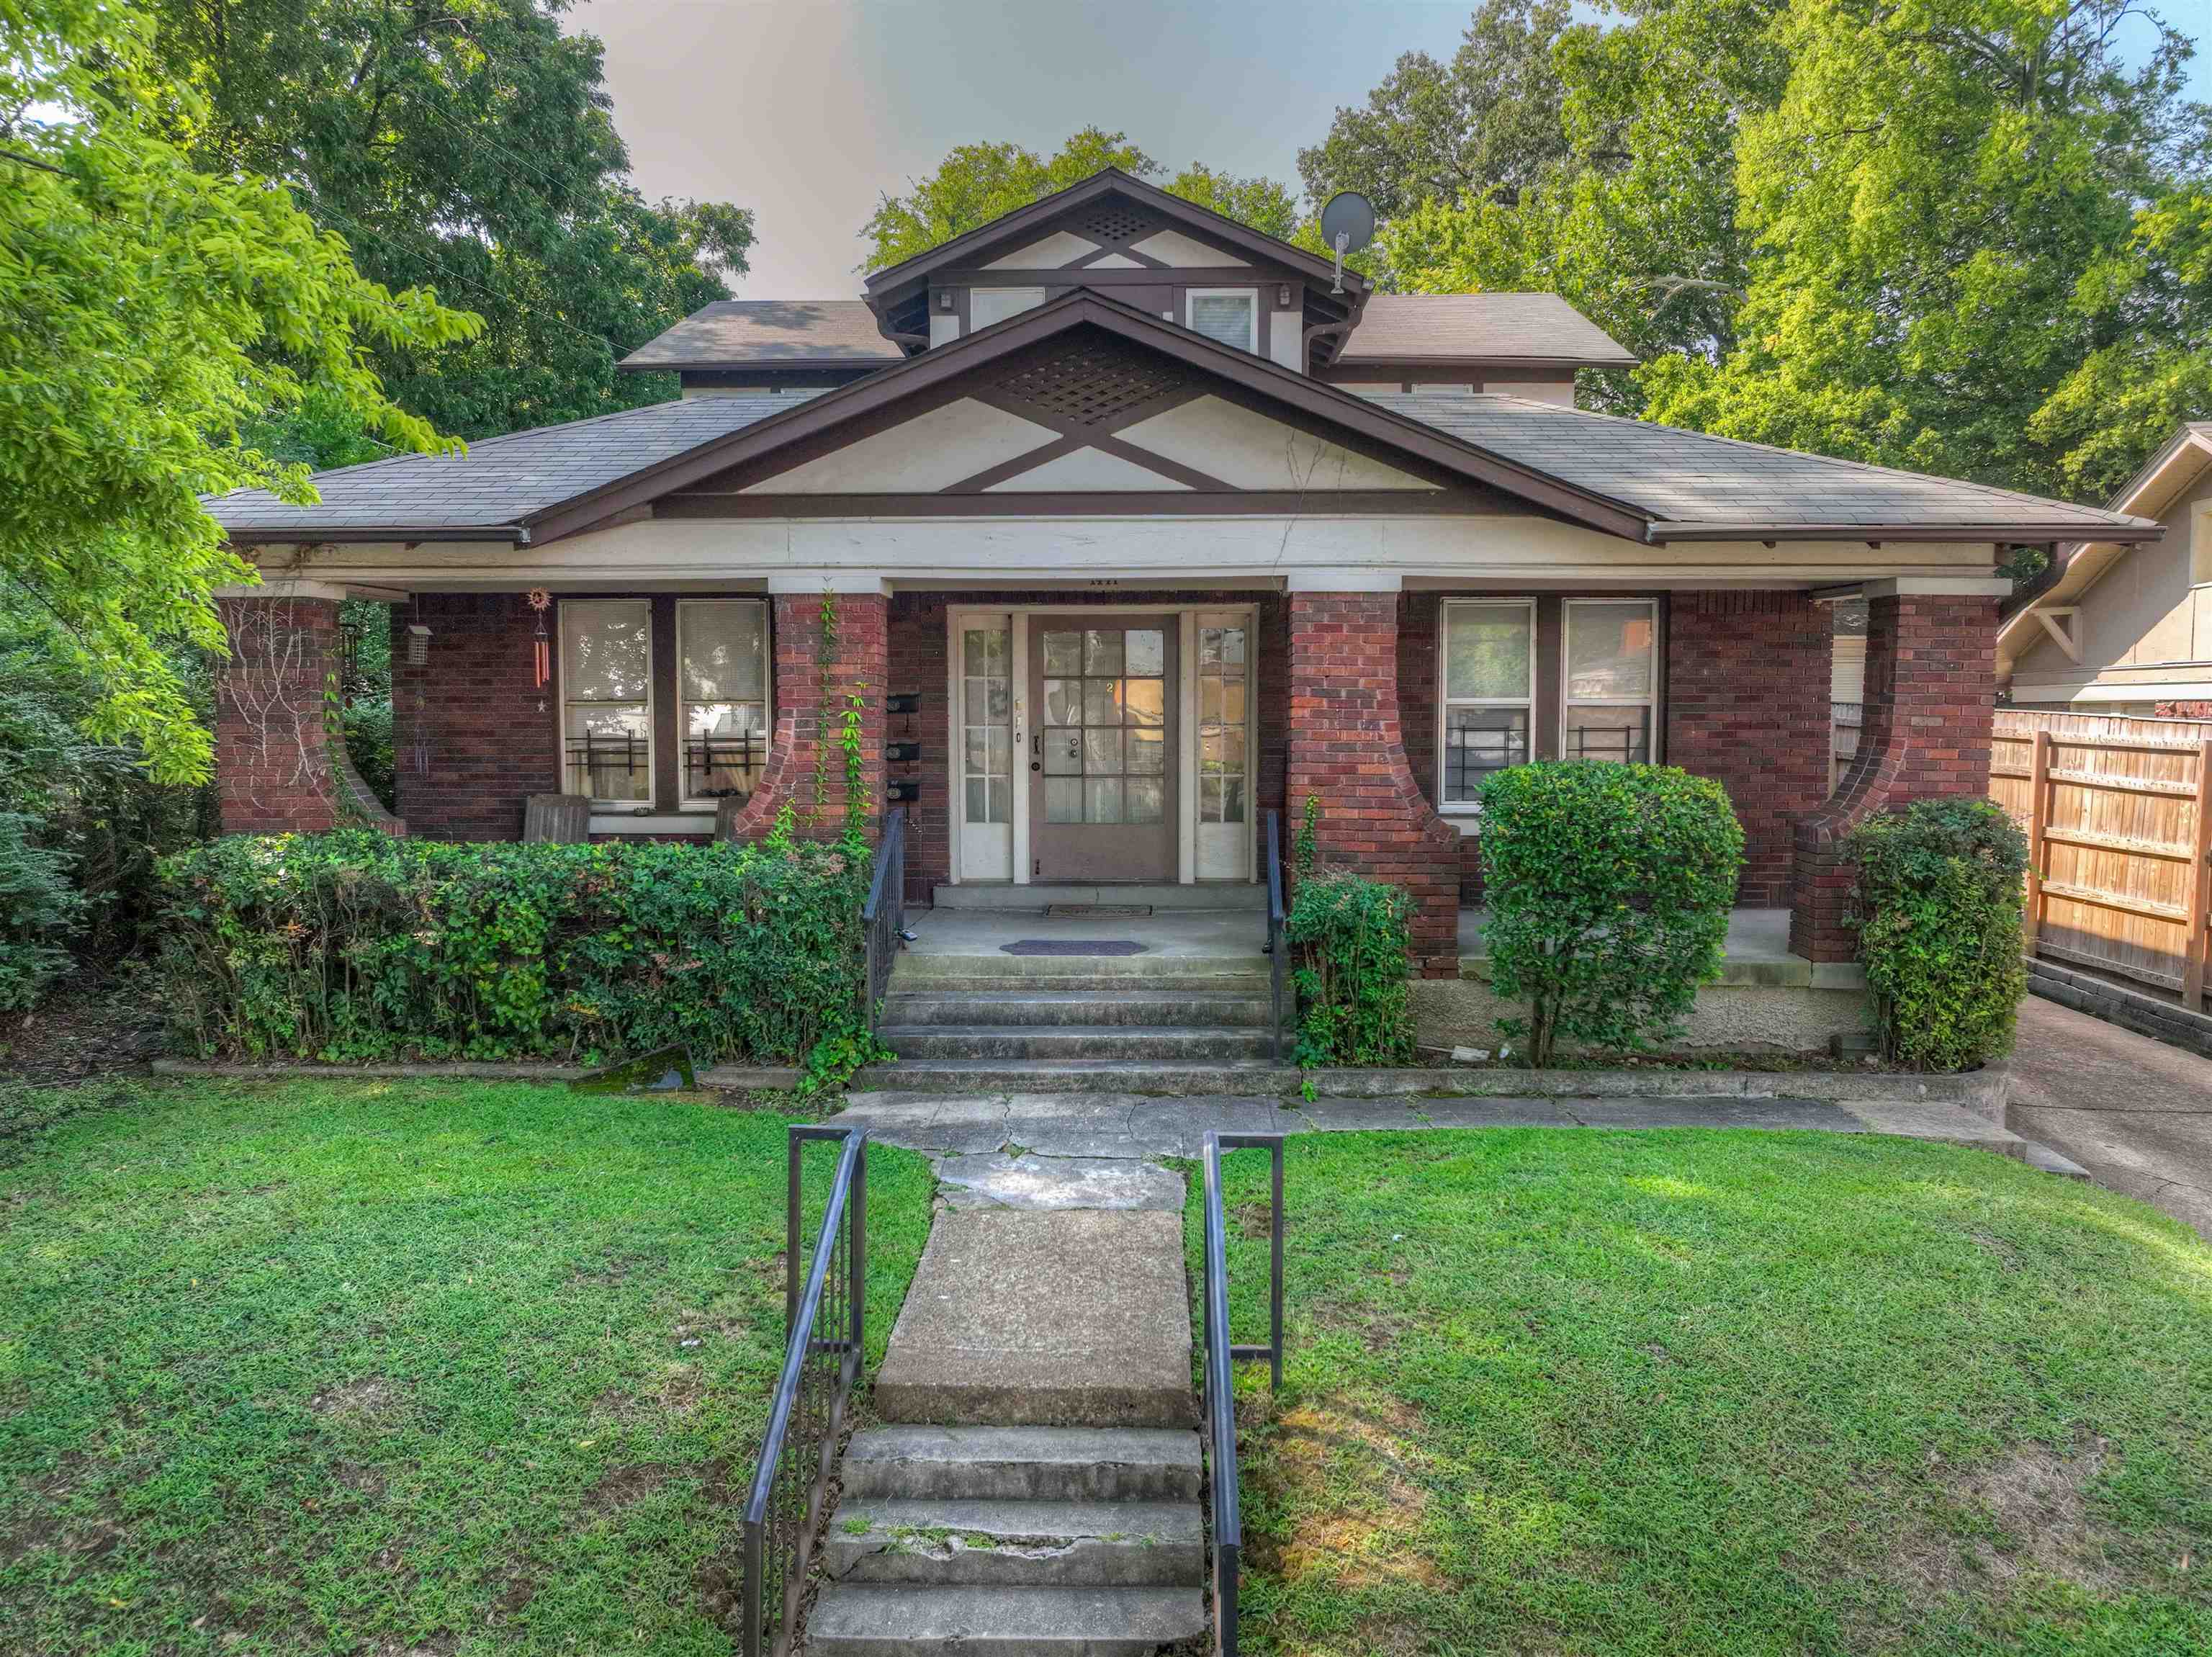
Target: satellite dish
x,y
1347,224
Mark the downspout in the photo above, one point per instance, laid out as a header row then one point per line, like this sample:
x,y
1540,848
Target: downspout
x,y
1325,330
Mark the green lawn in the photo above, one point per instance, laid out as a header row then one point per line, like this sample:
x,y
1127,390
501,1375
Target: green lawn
x,y
1553,1393
434,1369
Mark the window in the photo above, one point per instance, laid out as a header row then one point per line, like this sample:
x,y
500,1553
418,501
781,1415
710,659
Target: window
x,y
721,669
1104,748
606,699
1611,671
986,707
989,305
1489,676
1230,315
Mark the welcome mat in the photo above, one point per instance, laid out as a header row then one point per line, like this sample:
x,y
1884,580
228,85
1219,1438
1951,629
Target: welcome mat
x,y
1073,946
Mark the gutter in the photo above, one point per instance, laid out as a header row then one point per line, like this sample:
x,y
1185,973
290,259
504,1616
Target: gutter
x,y
513,534
2136,530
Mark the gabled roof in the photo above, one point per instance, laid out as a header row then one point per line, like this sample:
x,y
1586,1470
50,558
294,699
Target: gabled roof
x,y
2078,566
1694,486
770,333
1492,328
1625,478
1112,180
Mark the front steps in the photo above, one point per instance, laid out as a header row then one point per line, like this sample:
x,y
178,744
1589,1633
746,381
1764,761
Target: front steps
x,y
1037,1487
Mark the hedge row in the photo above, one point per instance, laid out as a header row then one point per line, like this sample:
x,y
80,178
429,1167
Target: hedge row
x,y
352,946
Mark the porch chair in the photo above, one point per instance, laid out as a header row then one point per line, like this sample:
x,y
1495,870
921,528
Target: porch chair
x,y
565,818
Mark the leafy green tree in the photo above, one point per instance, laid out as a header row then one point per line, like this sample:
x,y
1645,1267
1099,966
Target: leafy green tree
x,y
1486,124
152,310
1979,249
465,146
1260,202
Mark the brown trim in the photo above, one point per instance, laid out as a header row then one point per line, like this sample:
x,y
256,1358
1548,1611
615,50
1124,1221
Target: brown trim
x,y
1117,250
1361,504
1135,414
1108,181
1161,463
1232,275
1661,534
667,740
1462,367
976,482
513,534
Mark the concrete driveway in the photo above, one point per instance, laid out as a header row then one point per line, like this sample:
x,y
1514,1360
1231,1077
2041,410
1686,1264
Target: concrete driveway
x,y
2135,1113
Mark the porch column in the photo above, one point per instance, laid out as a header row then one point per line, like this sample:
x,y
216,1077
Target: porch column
x,y
856,664
274,772
1347,750
1930,700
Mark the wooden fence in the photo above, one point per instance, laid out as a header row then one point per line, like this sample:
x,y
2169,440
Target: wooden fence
x,y
2118,817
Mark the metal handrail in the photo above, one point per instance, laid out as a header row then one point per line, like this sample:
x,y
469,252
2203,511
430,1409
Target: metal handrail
x,y
784,1515
882,916
1277,973
1220,1354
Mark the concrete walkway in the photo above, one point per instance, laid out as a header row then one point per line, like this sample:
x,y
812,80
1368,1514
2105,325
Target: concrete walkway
x,y
2137,1114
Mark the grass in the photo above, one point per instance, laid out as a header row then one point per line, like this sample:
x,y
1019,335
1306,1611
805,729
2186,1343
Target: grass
x,y
1559,1391
420,1369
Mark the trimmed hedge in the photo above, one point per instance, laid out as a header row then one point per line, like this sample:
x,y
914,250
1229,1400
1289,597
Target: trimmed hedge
x,y
350,946
1608,889
1939,895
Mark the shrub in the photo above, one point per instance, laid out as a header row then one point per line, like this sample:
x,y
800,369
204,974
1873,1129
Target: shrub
x,y
367,729
1351,936
37,908
1939,896
352,946
1608,889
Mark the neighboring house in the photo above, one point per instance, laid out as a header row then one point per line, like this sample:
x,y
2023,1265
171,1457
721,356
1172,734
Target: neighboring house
x,y
1143,527
2122,627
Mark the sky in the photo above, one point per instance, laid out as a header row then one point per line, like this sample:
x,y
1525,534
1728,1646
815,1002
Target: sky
x,y
807,111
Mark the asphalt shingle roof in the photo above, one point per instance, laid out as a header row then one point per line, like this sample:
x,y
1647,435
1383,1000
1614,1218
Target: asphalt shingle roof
x,y
1491,327
1681,477
770,332
500,480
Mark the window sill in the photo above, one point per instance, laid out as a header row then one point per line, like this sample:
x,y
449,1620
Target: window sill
x,y
623,822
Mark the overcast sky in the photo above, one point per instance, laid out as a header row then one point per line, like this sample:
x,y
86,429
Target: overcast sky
x,y
805,111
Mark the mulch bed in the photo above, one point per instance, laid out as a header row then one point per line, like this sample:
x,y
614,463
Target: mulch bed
x,y
89,1026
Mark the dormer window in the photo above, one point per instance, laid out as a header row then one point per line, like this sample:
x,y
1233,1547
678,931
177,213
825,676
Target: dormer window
x,y
1230,315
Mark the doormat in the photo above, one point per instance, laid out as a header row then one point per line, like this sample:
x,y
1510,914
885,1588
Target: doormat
x,y
1073,946
1124,909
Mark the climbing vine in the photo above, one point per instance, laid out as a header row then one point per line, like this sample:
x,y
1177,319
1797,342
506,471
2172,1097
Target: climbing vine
x,y
825,657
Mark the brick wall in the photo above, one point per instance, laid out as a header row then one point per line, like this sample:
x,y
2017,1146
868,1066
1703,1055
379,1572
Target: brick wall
x,y
1347,747
1746,704
273,761
1930,700
858,667
472,734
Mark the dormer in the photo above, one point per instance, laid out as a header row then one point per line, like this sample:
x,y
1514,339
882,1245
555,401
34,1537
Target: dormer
x,y
1131,242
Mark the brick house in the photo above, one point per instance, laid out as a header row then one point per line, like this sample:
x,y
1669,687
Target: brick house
x,y
1133,524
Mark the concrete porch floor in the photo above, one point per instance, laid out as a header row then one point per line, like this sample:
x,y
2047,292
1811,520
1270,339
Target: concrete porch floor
x,y
1756,950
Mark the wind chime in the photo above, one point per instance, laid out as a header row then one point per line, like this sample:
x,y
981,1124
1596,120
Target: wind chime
x,y
541,649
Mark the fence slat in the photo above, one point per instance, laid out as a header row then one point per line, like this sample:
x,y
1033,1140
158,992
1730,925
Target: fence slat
x,y
2038,819
2200,876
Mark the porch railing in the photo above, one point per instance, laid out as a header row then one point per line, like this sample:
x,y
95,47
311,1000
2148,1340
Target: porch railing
x,y
882,917
1221,1353
1278,965
825,1324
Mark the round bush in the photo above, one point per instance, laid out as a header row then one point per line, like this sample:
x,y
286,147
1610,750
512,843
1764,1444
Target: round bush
x,y
1607,889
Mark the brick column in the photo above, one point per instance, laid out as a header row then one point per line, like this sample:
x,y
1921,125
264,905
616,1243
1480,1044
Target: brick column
x,y
274,771
858,666
1747,683
1930,700
1346,749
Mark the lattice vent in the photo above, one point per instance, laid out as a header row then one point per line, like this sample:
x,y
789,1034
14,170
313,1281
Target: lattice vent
x,y
1092,381
1112,223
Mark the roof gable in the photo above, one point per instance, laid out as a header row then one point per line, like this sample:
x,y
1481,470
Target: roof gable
x,y
734,333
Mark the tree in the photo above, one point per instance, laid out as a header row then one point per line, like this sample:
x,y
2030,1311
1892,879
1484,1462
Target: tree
x,y
152,309
1259,203
1979,249
1487,124
466,147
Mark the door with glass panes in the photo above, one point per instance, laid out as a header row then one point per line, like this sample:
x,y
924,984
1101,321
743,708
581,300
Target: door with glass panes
x,y
1103,747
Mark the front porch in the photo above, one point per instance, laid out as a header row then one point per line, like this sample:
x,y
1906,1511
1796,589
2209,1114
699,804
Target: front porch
x,y
1059,734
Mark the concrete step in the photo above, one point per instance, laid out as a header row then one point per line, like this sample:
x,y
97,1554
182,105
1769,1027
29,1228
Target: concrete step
x,y
1018,1544
1025,1464
1153,1042
1035,900
1257,1077
888,1620
1070,1318
921,972
1184,1009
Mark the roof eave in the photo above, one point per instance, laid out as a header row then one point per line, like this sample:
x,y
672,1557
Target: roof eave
x,y
358,534
1434,359
2003,534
